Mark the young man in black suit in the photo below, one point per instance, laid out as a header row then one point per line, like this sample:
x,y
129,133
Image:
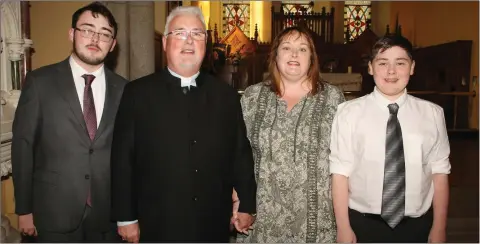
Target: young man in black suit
x,y
62,136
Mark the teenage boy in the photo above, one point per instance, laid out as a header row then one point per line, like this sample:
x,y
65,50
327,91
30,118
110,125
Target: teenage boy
x,y
390,157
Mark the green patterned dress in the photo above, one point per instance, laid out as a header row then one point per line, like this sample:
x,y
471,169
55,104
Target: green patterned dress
x,y
291,149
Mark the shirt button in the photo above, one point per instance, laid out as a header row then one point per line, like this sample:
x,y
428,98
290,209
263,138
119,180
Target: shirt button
x,y
87,177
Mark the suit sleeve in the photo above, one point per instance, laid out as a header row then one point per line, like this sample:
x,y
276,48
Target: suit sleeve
x,y
244,174
24,129
123,159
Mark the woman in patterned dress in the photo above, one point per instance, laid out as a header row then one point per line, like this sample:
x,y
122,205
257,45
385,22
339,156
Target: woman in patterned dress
x,y
288,118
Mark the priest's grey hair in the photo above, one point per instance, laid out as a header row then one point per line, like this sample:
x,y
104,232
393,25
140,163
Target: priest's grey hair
x,y
184,10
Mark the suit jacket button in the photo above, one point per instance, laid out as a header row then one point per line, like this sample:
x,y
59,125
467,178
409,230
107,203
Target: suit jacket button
x,y
87,177
194,142
195,198
90,151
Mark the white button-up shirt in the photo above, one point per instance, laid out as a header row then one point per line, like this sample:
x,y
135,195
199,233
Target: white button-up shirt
x,y
358,149
98,86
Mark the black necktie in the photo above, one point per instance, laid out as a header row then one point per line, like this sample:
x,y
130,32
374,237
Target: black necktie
x,y
393,196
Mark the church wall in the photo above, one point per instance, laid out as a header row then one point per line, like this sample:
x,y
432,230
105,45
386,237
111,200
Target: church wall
x,y
421,22
432,23
160,16
50,34
318,5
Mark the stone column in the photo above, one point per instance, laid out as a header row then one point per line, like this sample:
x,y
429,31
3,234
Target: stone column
x,y
142,39
119,60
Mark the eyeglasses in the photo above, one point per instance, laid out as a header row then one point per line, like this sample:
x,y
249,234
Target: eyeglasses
x,y
183,35
104,37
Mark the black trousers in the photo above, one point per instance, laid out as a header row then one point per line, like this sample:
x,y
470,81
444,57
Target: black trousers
x,y
82,234
371,228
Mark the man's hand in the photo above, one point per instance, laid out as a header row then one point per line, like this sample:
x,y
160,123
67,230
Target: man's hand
x,y
346,235
130,233
236,203
25,225
244,222
437,235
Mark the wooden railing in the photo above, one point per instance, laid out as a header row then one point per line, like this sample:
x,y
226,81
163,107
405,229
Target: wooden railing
x,y
321,23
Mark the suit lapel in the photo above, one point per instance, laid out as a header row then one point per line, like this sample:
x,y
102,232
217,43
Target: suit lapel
x,y
69,93
109,110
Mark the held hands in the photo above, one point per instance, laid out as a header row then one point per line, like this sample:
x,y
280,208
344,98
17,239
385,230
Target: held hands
x,y
25,225
241,221
130,233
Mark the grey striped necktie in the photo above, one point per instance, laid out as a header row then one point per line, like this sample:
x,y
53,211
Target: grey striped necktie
x,y
393,197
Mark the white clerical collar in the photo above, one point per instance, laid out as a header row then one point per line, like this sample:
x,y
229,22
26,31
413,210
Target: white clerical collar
x,y
185,82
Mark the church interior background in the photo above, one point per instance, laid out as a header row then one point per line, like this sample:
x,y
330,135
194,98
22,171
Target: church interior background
x,y
445,36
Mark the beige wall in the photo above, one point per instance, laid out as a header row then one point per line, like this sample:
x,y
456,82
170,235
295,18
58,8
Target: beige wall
x,y
421,23
427,25
160,16
216,16
318,5
50,34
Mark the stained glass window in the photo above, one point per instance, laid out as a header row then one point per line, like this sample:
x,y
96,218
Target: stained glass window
x,y
357,16
236,14
297,7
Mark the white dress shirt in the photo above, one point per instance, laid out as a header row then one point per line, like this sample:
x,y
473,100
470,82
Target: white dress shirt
x,y
98,86
185,81
358,149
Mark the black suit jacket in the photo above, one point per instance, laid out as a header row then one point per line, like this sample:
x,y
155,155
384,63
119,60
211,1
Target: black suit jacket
x,y
177,157
54,161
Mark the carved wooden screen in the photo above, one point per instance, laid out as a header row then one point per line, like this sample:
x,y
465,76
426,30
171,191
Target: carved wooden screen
x,y
297,7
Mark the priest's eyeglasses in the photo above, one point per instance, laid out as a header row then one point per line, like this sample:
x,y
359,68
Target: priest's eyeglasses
x,y
104,37
183,34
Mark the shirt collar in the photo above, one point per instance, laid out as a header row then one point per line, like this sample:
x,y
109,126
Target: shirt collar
x,y
384,102
78,71
189,81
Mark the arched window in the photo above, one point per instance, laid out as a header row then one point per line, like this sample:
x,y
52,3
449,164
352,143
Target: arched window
x,y
357,16
236,13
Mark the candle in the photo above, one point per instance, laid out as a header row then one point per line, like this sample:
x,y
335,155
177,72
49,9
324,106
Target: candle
x,y
349,69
